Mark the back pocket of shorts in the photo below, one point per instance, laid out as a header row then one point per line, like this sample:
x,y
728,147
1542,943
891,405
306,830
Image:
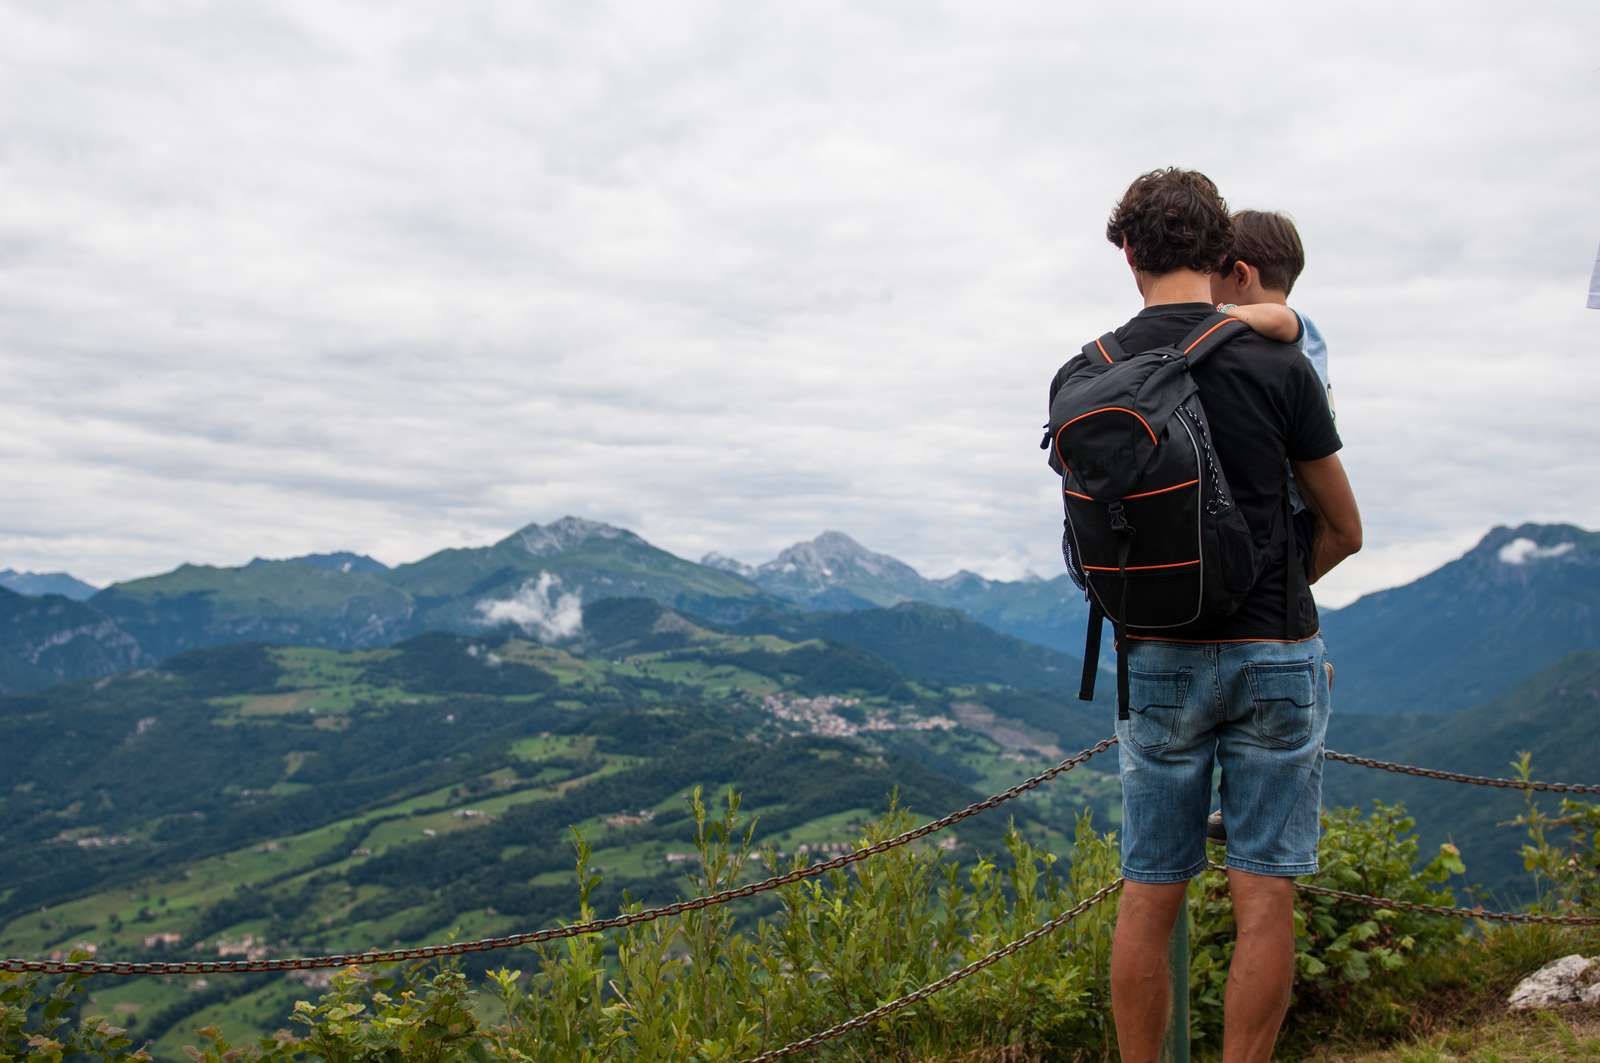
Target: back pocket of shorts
x,y
1285,697
1155,700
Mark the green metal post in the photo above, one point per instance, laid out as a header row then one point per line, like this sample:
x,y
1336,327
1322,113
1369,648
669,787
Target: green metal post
x,y
1176,1048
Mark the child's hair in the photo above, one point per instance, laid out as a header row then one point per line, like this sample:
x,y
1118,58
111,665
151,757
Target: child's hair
x,y
1268,241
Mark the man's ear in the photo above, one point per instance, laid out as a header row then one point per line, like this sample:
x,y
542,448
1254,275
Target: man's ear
x,y
1240,273
1127,253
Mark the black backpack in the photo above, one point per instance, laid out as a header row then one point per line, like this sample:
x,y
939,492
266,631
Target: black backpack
x,y
1152,535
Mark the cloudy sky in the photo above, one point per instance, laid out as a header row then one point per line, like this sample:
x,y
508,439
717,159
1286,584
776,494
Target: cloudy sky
x,y
298,276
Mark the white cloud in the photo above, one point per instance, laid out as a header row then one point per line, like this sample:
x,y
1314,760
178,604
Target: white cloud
x,y
283,278
1521,551
539,607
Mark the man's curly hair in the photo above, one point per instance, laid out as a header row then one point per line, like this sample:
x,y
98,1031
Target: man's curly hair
x,y
1172,219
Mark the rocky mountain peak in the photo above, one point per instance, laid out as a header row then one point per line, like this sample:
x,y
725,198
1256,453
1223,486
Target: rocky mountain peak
x,y
1538,544
833,555
965,579
567,533
724,563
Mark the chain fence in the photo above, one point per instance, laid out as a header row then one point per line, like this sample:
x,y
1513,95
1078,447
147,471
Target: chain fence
x,y
592,926
1455,776
1370,900
883,1010
866,1018
1373,901
1455,913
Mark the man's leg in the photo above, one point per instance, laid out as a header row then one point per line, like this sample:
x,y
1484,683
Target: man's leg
x,y
1271,756
1140,995
1262,972
1165,753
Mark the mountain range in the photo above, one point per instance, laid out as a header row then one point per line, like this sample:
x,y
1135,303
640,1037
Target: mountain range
x,y
834,572
319,799
39,583
325,752
1550,715
1518,601
532,579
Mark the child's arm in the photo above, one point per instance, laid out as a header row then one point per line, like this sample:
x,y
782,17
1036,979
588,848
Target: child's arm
x,y
1273,320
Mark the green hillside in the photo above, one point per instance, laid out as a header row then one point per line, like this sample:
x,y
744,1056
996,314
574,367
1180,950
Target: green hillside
x,y
1552,716
534,580
592,560
1517,602
317,800
48,639
272,601
932,643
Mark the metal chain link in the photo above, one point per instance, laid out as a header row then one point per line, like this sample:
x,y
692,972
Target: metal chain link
x,y
926,991
1456,913
1373,901
1453,776
866,1018
592,926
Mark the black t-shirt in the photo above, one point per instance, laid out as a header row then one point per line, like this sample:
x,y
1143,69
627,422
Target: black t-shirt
x,y
1265,406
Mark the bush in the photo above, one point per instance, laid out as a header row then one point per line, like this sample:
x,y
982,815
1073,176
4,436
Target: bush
x,y
1561,849
36,1022
1339,945
705,986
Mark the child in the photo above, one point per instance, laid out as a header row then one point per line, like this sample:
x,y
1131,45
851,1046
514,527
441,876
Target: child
x,y
1256,278
1261,268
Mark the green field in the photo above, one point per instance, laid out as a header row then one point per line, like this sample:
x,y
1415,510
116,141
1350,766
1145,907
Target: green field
x,y
319,800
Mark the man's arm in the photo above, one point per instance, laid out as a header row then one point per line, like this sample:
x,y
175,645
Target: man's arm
x,y
1337,533
1075,363
1272,320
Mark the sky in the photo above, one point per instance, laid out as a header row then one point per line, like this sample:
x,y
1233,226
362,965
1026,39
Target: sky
x,y
302,276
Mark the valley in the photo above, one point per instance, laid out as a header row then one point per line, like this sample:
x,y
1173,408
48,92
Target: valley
x,y
325,753
269,801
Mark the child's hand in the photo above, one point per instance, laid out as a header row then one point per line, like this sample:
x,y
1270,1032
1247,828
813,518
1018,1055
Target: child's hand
x,y
1273,320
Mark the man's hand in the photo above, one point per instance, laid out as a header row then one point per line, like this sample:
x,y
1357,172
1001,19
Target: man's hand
x,y
1326,489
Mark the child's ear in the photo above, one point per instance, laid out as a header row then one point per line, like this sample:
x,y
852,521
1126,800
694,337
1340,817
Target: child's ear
x,y
1240,274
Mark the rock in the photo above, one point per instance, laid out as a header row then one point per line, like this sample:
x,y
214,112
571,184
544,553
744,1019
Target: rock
x,y
1569,980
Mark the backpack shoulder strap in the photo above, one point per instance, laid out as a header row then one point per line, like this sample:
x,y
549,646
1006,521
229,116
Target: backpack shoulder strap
x,y
1210,334
1106,349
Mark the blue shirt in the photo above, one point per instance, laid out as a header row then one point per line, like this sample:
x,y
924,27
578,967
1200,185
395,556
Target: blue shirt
x,y
1314,347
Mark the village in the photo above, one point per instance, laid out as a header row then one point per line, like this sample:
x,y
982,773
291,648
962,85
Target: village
x,y
820,715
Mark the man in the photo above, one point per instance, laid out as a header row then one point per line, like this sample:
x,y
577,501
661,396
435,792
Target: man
x,y
1260,269
1229,690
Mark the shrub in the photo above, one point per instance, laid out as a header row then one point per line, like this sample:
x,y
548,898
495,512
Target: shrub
x,y
1339,944
1561,850
36,1022
714,985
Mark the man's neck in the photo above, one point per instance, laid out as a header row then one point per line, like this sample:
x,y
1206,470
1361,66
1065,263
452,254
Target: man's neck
x,y
1179,286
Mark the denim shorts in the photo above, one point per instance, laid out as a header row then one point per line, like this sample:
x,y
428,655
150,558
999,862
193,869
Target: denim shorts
x,y
1257,710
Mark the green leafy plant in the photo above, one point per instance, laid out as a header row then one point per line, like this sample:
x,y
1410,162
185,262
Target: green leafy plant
x,y
38,1022
1561,851
1339,945
726,982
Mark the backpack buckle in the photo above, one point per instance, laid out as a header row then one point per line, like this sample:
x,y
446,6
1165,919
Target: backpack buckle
x,y
1119,518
